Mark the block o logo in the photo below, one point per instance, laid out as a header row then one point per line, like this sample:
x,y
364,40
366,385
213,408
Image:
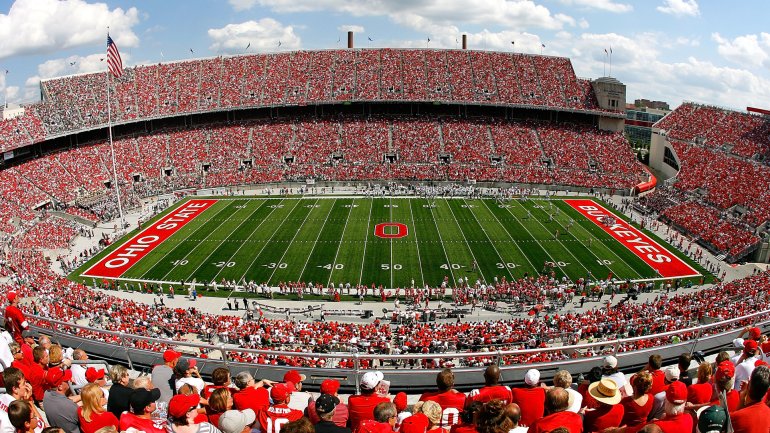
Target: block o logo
x,y
386,230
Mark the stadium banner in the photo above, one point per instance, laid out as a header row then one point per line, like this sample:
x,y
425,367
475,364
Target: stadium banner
x,y
660,259
128,254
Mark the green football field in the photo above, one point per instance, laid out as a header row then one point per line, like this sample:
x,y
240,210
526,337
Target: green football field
x,y
332,240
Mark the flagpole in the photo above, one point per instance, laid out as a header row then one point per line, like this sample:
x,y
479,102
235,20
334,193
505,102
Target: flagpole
x,y
112,151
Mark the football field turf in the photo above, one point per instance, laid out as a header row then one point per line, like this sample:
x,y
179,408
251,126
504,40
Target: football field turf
x,y
393,242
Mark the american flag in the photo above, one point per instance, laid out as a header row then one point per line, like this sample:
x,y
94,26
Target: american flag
x,y
114,62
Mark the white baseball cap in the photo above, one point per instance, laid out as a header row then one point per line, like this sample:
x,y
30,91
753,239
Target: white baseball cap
x,y
532,377
371,379
610,362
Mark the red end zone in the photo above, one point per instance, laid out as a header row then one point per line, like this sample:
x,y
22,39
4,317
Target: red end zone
x,y
128,254
667,264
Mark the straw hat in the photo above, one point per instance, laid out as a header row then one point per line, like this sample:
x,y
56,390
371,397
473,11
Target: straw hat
x,y
605,391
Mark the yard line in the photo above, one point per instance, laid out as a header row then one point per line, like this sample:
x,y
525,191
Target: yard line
x,y
502,260
192,249
217,247
339,245
416,242
366,239
315,243
246,241
441,241
509,235
466,240
390,218
292,241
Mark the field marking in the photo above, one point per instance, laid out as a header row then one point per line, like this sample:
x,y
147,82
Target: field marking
x,y
202,243
441,241
505,229
390,218
315,243
366,239
245,242
291,241
339,244
500,256
180,245
417,243
267,242
478,268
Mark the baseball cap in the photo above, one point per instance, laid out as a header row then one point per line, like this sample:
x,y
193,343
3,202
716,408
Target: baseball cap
x,y
760,363
712,419
672,374
610,362
738,343
92,374
676,393
234,421
180,404
171,355
279,392
330,386
417,423
56,376
141,398
326,403
749,345
532,377
294,377
755,333
725,369
371,379
400,401
11,296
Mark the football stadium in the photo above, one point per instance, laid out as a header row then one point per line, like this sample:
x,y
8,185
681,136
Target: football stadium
x,y
312,229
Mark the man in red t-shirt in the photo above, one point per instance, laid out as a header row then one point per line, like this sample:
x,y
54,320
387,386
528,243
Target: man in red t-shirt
x,y
675,421
530,398
142,403
279,413
556,404
361,406
492,389
251,395
754,415
451,401
15,323
37,371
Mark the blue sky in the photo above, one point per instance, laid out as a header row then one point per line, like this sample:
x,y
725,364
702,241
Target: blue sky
x,y
715,52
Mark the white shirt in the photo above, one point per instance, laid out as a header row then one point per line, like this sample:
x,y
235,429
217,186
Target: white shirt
x,y
743,371
5,423
79,374
5,350
619,378
299,400
196,382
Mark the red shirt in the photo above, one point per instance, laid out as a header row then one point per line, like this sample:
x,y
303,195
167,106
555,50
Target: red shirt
x,y
36,378
271,420
572,421
658,381
372,426
361,407
754,418
452,403
531,401
733,401
16,322
128,420
633,414
209,389
98,420
256,399
700,393
491,392
681,423
463,428
603,417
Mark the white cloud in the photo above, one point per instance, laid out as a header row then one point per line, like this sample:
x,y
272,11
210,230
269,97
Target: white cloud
x,y
351,28
42,26
262,35
680,7
241,5
751,50
605,5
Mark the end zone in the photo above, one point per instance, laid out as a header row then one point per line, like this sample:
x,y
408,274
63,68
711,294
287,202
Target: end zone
x,y
665,263
131,252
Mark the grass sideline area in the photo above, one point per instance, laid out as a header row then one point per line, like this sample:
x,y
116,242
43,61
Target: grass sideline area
x,y
330,239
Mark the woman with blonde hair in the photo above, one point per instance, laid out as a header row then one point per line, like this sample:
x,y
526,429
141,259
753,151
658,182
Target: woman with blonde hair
x,y
701,393
92,414
220,401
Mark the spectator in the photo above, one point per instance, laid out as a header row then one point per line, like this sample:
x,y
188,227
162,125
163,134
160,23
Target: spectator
x,y
417,423
610,371
675,420
341,414
658,405
492,389
609,413
299,398
301,425
60,410
637,406
325,406
702,391
23,416
556,404
683,362
143,404
658,377
143,382
494,417
16,388
432,410
384,419
120,393
451,401
513,412
467,422
97,376
251,395
530,398
220,401
182,411
36,372
220,378
754,414
163,375
712,419
15,323
361,406
93,415
186,372
724,383
279,410
237,421
563,379
79,370
744,364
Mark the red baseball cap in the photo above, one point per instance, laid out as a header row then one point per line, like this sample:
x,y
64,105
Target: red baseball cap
x,y
330,386
293,376
417,423
92,374
11,296
400,401
725,369
280,392
180,404
760,363
755,333
749,345
171,355
56,376
677,393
